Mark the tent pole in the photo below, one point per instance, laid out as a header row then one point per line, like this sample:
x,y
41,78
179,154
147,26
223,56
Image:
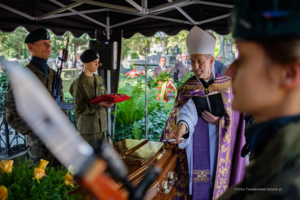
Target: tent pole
x,y
108,80
145,7
146,49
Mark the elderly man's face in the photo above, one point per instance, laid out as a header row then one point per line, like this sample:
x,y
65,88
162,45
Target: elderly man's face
x,y
162,62
201,65
184,57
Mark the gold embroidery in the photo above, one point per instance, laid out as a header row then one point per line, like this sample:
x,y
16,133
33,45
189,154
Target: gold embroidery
x,y
224,166
222,85
216,86
201,176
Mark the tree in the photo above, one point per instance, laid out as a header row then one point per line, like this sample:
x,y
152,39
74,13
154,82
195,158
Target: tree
x,y
178,40
137,43
12,43
59,42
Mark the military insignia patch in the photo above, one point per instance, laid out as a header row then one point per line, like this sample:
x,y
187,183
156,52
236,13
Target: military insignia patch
x,y
101,86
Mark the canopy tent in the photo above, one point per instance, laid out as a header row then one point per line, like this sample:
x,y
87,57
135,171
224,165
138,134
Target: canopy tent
x,y
114,19
131,16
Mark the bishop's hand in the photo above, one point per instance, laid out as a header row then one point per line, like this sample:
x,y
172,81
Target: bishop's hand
x,y
210,118
177,133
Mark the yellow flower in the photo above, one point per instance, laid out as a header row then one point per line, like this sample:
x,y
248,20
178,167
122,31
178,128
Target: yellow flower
x,y
43,164
39,173
69,180
3,192
6,166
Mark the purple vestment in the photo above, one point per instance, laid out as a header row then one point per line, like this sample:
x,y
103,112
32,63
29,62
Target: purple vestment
x,y
201,161
230,165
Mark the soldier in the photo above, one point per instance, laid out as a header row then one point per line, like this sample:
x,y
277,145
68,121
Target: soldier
x,y
266,85
91,118
38,42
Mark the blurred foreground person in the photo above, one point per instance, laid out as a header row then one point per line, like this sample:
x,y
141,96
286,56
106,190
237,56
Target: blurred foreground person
x,y
266,85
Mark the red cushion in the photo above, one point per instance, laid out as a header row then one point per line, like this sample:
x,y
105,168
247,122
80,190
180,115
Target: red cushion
x,y
112,98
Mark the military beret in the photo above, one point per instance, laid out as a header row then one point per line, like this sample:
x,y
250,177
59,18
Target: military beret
x,y
265,20
36,35
89,55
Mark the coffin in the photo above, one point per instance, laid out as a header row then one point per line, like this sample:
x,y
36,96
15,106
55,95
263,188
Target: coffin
x,y
138,155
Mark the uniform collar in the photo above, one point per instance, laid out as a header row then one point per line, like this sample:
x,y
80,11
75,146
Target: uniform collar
x,y
260,134
40,64
97,79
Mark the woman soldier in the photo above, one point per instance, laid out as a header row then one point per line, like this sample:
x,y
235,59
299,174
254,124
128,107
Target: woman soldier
x,y
91,118
266,85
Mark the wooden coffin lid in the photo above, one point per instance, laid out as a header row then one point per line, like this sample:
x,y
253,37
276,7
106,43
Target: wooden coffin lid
x,y
138,154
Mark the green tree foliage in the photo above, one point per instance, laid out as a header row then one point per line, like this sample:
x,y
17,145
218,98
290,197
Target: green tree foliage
x,y
130,115
137,43
12,44
187,77
178,40
75,44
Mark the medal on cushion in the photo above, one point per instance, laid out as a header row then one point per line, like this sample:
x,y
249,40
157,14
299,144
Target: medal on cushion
x,y
101,86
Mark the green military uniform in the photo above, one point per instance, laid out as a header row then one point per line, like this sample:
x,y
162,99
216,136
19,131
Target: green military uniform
x,y
275,172
274,169
37,149
91,118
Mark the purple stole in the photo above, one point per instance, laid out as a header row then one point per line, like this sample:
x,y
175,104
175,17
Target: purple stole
x,y
201,161
231,141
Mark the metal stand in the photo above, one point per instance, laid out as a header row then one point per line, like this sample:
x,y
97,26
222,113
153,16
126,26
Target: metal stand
x,y
108,88
146,49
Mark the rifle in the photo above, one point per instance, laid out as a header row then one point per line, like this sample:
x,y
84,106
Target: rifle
x,y
56,89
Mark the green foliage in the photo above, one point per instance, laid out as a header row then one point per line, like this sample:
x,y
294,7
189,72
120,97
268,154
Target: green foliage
x,y
130,115
123,131
3,88
136,131
178,40
3,81
12,44
164,76
67,95
187,77
59,42
137,43
21,184
157,120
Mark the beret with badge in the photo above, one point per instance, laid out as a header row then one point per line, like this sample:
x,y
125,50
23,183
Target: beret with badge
x,y
89,55
36,35
267,20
